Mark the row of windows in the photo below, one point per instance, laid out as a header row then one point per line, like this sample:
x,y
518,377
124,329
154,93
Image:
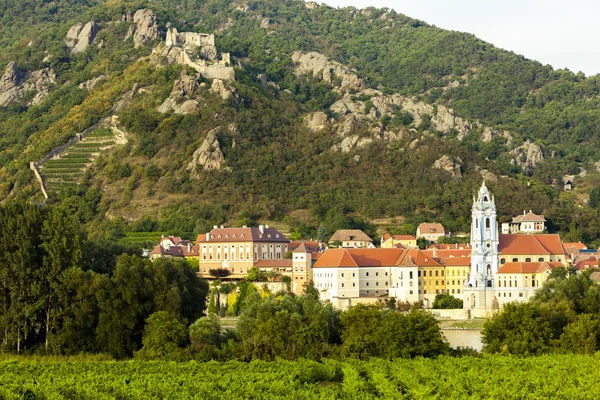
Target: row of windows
x,y
510,283
240,256
515,259
509,294
241,246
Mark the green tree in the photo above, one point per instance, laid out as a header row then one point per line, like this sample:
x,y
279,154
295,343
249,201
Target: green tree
x,y
582,336
164,338
520,329
446,301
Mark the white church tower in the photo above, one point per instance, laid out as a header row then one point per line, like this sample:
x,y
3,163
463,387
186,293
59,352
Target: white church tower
x,y
484,251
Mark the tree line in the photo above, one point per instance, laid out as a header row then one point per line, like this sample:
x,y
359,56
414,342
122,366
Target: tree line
x,y
61,293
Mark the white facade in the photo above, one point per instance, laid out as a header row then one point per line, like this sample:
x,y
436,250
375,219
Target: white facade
x,y
353,282
405,284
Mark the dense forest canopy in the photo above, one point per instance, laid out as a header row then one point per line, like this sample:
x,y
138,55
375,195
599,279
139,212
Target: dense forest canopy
x,y
274,167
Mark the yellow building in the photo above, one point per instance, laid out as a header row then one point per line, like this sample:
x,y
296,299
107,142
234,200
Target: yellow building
x,y
239,249
389,241
518,281
457,263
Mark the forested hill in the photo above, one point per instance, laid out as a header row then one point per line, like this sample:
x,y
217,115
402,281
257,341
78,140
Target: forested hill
x,y
333,116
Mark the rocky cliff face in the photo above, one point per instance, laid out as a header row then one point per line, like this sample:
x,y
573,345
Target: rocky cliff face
x,y
527,156
80,36
180,100
449,164
145,29
15,84
319,65
208,156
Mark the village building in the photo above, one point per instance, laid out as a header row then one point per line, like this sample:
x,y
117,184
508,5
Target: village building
x,y
236,250
174,247
526,223
389,241
350,239
432,232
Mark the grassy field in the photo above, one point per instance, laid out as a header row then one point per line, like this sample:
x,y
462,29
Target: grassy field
x,y
490,377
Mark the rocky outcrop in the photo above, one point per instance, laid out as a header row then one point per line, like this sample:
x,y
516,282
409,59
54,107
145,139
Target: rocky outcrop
x,y
208,156
488,134
146,28
329,71
89,85
450,165
527,156
219,87
14,84
179,100
80,36
445,121
264,23
311,5
488,176
316,121
9,89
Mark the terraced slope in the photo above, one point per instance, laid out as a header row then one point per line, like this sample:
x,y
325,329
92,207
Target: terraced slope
x,y
68,168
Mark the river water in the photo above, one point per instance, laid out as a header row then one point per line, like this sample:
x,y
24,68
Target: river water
x,y
464,338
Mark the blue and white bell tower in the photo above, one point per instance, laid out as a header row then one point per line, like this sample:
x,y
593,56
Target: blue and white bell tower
x,y
484,241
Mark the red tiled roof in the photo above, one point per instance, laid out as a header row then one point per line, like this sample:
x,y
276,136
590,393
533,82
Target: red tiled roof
x,y
201,238
590,263
399,246
245,235
456,261
529,217
443,253
530,244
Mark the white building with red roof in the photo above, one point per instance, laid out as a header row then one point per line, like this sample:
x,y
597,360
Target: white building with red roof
x,y
529,222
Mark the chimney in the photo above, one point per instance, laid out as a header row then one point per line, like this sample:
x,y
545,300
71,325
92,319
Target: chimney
x,y
267,226
261,228
189,247
244,226
523,212
529,210
215,227
222,226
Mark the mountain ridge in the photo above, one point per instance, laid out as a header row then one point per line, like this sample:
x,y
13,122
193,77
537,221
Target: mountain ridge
x,y
396,144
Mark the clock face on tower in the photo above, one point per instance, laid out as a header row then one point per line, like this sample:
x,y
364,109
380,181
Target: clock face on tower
x,y
488,211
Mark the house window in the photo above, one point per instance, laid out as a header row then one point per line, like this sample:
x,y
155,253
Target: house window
x,y
342,284
376,283
541,259
487,222
376,273
367,283
342,274
515,260
502,260
528,259
353,275
353,284
367,274
410,275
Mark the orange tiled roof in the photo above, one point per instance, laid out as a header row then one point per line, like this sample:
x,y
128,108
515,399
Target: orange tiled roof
x,y
526,267
578,246
335,258
374,258
416,257
530,244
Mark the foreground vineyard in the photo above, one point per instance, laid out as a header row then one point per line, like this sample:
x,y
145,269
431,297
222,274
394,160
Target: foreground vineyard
x,y
446,377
